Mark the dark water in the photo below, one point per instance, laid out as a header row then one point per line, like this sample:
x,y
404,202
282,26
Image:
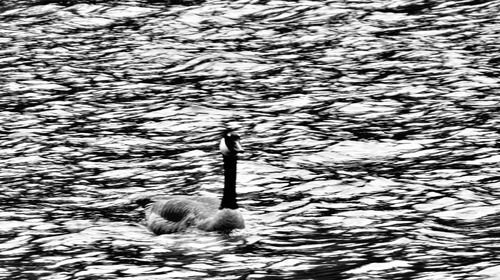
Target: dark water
x,y
372,131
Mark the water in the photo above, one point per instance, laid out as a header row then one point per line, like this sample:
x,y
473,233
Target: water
x,y
371,131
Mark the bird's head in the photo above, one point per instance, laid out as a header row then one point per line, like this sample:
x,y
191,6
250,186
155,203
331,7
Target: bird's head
x,y
230,144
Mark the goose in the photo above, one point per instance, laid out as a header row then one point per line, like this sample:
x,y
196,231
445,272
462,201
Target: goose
x,y
177,213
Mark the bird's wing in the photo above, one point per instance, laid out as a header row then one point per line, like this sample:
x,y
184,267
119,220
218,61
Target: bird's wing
x,y
178,213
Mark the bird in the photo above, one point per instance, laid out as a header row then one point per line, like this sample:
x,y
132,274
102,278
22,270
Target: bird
x,y
173,214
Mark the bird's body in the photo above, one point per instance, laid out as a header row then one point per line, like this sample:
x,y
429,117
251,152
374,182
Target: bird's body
x,y
176,213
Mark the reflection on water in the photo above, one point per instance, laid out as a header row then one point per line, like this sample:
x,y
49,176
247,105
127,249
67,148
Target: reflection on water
x,y
371,126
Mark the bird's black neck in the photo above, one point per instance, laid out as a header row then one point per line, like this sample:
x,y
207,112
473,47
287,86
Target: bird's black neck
x,y
229,196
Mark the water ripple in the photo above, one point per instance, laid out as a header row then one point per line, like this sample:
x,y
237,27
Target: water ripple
x,y
371,131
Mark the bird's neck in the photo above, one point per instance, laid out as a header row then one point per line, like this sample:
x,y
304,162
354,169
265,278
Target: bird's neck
x,y
229,196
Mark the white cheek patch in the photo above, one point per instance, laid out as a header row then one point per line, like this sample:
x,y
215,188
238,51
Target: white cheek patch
x,y
223,147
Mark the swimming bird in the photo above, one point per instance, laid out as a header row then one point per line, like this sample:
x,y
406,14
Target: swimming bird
x,y
177,213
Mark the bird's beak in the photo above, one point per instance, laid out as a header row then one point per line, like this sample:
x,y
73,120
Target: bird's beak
x,y
237,147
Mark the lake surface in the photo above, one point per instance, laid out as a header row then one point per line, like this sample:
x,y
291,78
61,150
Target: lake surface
x,y
371,131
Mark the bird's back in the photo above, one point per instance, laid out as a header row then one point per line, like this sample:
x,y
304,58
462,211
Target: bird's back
x,y
176,213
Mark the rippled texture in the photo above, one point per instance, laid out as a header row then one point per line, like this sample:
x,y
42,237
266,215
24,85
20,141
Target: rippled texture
x,y
372,131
